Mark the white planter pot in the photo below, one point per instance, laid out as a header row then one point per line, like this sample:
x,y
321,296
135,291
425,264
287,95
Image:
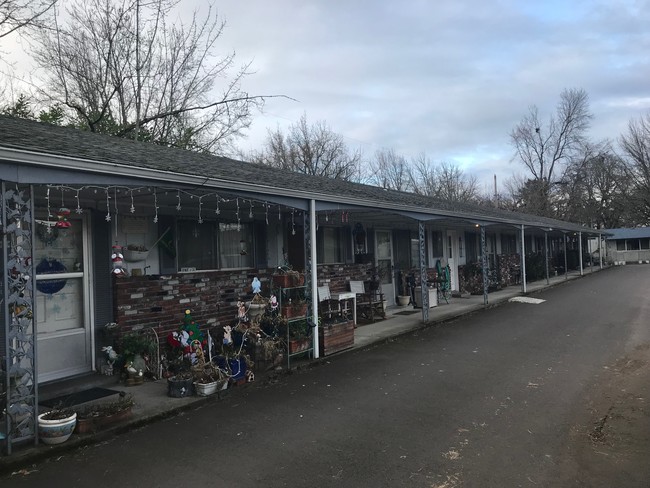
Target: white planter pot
x,y
135,256
403,300
205,389
55,431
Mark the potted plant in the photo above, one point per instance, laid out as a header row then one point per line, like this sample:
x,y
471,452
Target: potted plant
x,y
299,337
104,414
285,277
403,297
136,351
56,426
135,252
295,308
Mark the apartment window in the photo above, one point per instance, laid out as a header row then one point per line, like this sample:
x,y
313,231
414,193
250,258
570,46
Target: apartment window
x,y
328,245
471,247
212,245
645,243
508,244
415,253
197,245
620,245
236,245
437,244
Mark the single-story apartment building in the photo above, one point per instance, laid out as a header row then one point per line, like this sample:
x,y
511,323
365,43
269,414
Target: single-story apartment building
x,y
99,230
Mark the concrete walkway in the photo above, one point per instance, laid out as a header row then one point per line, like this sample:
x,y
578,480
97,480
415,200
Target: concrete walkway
x,y
152,402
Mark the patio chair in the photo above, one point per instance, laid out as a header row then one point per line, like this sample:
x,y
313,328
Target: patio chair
x,y
328,307
370,304
443,282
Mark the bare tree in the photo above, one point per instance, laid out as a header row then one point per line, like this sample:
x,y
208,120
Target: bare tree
x,y
595,189
18,14
545,150
310,149
445,180
390,170
636,147
119,67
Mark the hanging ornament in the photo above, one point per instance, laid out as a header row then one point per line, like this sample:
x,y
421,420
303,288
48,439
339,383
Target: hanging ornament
x,y
266,212
49,214
62,215
155,206
200,209
279,214
217,210
293,224
117,258
178,205
79,210
115,205
238,219
108,207
132,209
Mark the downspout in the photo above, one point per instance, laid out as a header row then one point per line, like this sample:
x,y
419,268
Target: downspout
x,y
423,274
314,274
580,252
484,265
523,261
546,254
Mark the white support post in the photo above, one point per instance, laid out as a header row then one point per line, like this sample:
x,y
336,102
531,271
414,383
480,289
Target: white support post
x,y
546,255
566,270
580,252
600,250
314,273
523,260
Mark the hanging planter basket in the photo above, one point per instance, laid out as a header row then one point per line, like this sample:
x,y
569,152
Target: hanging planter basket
x,y
134,256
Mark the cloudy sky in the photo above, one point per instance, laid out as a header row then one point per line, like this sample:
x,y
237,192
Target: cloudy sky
x,y
450,78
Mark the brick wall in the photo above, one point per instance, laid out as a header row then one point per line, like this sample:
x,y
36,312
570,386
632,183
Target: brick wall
x,y
337,276
161,301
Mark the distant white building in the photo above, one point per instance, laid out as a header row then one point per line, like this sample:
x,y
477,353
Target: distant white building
x,y
627,246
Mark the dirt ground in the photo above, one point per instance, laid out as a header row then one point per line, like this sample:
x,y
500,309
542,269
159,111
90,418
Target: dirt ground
x,y
609,444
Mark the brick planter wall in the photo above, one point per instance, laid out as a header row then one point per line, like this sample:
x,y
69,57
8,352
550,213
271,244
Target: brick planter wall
x,y
160,301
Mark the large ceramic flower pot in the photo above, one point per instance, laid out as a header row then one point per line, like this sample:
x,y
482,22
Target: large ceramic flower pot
x,y
55,431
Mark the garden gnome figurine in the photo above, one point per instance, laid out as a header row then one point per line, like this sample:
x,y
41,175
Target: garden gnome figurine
x,y
257,286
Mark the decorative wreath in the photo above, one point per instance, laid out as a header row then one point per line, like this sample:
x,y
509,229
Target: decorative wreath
x,y
47,237
51,266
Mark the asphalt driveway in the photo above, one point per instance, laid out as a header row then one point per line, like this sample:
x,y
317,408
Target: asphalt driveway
x,y
518,395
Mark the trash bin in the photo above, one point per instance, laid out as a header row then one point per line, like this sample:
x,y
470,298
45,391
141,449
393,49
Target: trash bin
x,y
433,297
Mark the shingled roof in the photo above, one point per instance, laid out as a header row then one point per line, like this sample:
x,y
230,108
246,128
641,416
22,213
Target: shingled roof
x,y
25,137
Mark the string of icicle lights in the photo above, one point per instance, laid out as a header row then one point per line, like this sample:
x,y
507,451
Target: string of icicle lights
x,y
213,199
